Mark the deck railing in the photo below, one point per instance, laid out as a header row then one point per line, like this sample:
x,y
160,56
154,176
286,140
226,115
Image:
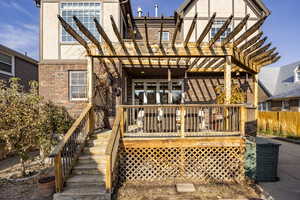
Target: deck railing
x,y
67,151
182,120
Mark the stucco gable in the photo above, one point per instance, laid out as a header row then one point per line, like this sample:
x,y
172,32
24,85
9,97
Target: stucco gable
x,y
257,6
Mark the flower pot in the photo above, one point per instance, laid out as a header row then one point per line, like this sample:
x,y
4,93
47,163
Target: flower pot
x,y
46,186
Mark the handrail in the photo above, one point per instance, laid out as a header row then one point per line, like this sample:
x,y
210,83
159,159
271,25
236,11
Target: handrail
x,y
113,144
67,151
69,133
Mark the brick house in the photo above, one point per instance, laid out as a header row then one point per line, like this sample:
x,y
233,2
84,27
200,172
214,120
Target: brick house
x,y
15,64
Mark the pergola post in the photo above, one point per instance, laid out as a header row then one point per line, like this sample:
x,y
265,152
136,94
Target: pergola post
x,y
227,80
227,88
90,82
169,87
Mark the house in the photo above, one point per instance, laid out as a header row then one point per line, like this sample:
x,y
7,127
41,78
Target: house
x,y
15,64
282,83
159,79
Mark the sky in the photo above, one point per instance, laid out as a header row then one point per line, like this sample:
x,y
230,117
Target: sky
x,y
19,24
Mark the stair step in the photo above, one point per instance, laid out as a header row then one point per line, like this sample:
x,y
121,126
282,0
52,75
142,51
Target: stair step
x,y
82,193
98,159
96,150
79,180
89,169
97,142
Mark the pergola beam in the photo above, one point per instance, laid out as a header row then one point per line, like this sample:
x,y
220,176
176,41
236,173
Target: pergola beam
x,y
206,30
254,47
236,30
191,29
74,34
221,31
251,42
146,31
178,26
250,31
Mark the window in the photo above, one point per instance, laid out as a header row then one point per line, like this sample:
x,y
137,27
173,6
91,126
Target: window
x,y
78,85
165,36
285,106
86,12
216,27
7,64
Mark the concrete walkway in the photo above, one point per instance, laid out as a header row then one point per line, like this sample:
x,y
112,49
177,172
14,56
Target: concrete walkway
x,y
288,188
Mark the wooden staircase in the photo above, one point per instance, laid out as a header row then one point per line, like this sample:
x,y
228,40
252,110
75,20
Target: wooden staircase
x,y
87,179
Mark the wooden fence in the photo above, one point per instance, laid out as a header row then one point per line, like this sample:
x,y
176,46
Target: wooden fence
x,y
280,123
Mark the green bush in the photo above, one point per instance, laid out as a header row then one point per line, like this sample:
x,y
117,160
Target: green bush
x,y
26,122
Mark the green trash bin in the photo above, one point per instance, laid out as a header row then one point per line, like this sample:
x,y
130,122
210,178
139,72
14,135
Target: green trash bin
x,y
267,153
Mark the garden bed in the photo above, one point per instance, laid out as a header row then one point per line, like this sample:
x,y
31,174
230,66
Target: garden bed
x,y
203,192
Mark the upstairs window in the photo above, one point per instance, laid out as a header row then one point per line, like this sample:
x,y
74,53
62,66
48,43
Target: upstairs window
x,y
7,64
85,12
216,27
78,85
165,36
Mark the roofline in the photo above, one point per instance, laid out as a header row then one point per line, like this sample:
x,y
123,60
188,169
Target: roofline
x,y
282,98
259,3
17,54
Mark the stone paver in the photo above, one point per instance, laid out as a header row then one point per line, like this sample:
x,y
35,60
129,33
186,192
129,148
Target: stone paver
x,y
185,187
288,188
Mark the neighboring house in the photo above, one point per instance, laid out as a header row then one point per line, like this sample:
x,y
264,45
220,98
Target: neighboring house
x,y
62,68
15,64
283,85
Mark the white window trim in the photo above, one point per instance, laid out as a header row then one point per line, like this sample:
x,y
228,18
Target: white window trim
x,y
69,87
13,67
61,28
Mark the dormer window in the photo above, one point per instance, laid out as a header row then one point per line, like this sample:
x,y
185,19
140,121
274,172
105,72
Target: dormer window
x,y
297,74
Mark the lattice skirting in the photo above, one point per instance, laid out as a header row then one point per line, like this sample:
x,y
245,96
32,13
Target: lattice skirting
x,y
173,164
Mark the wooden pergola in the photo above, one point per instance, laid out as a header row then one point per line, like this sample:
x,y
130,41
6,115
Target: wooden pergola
x,y
246,52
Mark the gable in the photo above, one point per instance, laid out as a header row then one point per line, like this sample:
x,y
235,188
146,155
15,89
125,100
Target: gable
x,y
255,8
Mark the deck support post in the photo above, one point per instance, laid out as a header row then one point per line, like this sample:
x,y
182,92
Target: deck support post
x,y
227,89
58,173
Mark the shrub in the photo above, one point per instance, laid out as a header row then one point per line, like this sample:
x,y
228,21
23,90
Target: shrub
x,y
26,122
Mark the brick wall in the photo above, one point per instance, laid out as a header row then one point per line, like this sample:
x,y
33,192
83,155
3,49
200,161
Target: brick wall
x,y
54,84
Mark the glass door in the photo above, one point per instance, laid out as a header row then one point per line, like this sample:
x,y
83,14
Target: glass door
x,y
157,92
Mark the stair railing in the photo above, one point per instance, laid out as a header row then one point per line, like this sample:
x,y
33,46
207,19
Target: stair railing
x,y
68,149
112,151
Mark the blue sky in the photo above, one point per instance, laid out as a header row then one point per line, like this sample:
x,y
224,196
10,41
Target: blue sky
x,y
19,24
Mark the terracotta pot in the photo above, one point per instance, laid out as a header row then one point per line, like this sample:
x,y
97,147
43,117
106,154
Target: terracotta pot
x,y
46,186
111,121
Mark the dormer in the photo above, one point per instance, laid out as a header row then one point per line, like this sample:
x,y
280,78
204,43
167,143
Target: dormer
x,y
297,74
